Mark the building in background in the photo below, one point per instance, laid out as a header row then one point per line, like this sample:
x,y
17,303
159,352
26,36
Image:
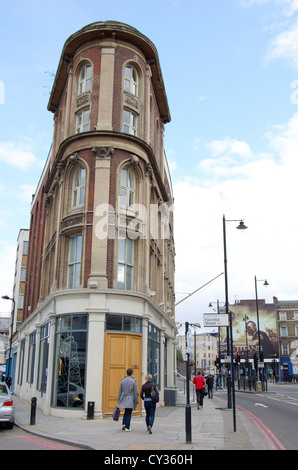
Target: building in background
x,y
204,351
287,321
17,304
99,294
4,334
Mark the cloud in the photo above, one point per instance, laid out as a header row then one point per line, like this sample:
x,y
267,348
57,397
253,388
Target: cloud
x,y
285,46
230,146
260,188
15,154
25,192
7,262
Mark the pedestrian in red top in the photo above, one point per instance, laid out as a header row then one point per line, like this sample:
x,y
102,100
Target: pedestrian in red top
x,y
199,382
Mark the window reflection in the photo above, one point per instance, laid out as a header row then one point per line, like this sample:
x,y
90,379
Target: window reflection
x,y
71,337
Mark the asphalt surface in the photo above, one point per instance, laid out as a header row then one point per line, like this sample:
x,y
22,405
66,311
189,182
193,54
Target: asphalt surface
x,y
212,428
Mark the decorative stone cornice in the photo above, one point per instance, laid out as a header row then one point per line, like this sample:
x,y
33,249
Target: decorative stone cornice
x,y
103,152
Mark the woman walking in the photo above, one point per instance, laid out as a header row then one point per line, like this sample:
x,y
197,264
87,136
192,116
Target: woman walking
x,y
150,406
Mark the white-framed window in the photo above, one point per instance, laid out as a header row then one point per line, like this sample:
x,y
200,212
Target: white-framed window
x,y
131,80
285,349
74,262
125,263
127,188
283,331
78,187
85,79
83,121
295,315
130,122
282,316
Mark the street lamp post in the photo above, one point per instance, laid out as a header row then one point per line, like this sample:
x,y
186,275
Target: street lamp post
x,y
261,356
5,297
219,351
188,344
245,318
241,226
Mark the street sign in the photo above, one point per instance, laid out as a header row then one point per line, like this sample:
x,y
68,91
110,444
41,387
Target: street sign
x,y
188,342
216,319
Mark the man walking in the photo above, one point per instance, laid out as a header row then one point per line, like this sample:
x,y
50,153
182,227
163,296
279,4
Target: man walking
x,y
210,383
199,382
127,398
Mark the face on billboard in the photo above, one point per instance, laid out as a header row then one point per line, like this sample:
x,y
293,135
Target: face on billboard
x,y
245,330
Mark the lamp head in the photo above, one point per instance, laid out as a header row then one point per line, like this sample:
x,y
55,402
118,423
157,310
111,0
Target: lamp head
x,y
266,283
241,226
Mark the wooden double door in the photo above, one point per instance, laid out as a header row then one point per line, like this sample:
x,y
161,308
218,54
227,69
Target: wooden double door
x,y
121,351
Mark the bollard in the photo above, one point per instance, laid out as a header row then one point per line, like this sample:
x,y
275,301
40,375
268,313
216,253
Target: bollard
x,y
90,410
33,410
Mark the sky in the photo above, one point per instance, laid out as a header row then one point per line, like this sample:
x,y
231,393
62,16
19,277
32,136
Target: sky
x,y
230,69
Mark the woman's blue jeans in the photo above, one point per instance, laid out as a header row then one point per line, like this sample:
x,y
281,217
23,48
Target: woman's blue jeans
x,y
150,412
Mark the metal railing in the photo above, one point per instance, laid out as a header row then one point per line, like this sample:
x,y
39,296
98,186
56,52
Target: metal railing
x,y
182,379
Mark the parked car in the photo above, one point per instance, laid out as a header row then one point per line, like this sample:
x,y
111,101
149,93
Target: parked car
x,y
7,411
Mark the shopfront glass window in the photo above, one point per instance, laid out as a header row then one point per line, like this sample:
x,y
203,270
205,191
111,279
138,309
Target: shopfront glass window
x,y
128,323
153,357
43,357
70,356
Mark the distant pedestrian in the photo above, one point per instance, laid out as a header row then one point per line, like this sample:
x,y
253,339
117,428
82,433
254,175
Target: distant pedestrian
x,y
150,406
199,382
127,398
210,383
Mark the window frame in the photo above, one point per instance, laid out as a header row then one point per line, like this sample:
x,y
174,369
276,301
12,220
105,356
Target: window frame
x,y
125,265
131,85
80,122
75,264
44,344
31,357
78,190
127,193
129,126
84,80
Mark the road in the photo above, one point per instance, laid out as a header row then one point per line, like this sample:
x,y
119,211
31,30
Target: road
x,y
17,439
275,411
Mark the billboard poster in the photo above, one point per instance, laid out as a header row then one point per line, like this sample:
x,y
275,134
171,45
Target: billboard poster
x,y
245,330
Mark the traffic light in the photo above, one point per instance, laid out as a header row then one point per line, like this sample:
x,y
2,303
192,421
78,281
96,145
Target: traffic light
x,y
238,357
217,361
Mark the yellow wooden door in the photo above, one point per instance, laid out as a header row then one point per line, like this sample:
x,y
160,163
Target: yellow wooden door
x,y
121,351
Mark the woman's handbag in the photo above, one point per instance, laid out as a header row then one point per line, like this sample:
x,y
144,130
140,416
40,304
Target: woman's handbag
x,y
154,395
116,413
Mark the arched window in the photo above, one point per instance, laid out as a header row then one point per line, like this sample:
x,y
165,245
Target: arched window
x,y
131,80
85,79
127,187
78,187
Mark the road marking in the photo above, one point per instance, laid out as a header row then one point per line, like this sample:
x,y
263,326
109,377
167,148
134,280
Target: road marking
x,y
261,404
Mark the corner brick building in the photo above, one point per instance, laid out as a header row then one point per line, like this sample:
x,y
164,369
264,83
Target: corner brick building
x,y
100,276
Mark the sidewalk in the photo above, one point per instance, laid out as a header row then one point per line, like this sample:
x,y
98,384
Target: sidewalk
x,y
212,429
